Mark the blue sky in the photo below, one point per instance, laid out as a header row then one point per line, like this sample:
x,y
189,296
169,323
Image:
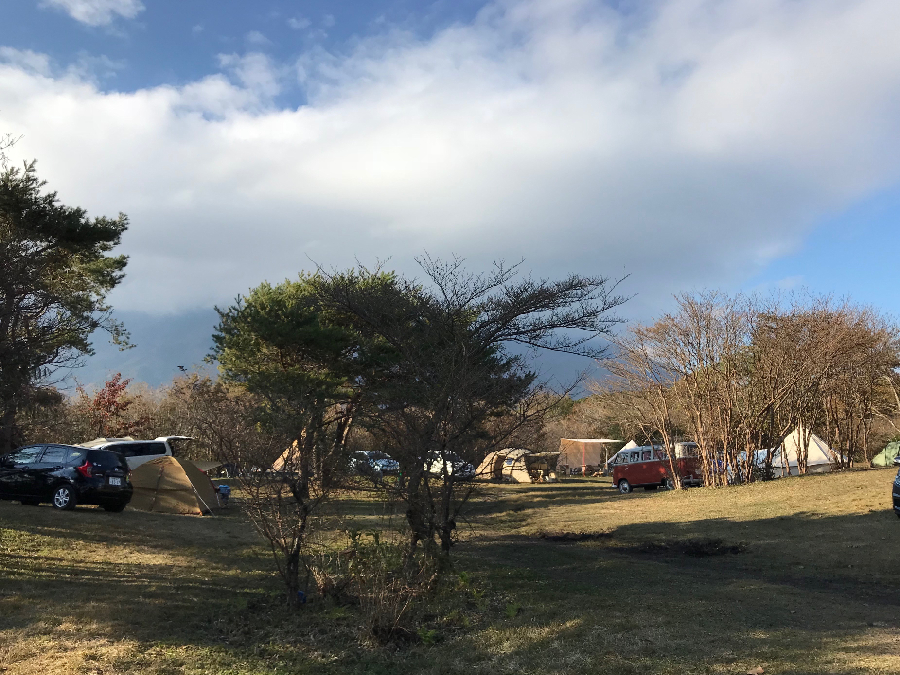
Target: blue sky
x,y
745,145
175,42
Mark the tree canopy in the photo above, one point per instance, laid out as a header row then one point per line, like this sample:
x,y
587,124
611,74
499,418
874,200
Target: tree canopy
x,y
57,272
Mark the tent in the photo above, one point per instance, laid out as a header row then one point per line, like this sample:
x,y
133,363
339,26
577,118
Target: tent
x,y
288,460
517,465
819,459
886,456
491,468
206,467
172,485
584,451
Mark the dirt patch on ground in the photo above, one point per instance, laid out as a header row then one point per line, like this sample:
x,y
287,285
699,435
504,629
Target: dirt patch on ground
x,y
694,548
573,537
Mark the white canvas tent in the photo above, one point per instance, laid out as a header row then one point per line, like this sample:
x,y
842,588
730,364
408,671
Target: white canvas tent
x,y
584,451
820,457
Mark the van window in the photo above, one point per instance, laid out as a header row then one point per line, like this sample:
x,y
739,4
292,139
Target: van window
x,y
635,457
647,455
138,449
154,448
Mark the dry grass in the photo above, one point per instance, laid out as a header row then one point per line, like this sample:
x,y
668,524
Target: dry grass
x,y
816,588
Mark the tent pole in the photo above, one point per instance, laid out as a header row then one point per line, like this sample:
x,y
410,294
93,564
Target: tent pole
x,y
156,491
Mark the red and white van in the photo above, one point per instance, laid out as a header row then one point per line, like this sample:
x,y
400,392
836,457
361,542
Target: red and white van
x,y
648,467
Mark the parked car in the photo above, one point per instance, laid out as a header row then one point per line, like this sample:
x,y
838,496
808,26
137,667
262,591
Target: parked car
x,y
65,475
895,493
451,463
374,464
137,452
648,467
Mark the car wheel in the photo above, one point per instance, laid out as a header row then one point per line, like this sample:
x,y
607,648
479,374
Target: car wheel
x,y
30,502
114,508
624,486
63,498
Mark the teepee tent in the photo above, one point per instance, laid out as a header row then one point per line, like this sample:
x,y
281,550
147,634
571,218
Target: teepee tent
x,y
172,485
886,456
287,459
819,459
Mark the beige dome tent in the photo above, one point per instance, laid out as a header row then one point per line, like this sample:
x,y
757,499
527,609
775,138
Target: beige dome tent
x,y
492,466
172,485
517,465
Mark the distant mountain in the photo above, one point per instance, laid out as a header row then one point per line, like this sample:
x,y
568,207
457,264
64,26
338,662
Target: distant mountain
x,y
163,342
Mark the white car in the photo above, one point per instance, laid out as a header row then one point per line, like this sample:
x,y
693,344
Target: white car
x,y
449,464
137,452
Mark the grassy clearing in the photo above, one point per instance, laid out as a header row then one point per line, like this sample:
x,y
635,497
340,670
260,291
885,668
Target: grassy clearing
x,y
815,588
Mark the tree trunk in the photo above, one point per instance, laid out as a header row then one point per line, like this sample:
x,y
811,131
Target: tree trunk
x,y
292,577
7,428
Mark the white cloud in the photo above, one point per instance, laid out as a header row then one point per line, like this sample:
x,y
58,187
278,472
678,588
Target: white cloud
x,y
97,12
255,72
688,145
26,60
257,39
299,23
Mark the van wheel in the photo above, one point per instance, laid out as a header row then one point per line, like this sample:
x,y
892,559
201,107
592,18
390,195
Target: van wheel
x,y
63,498
624,486
669,484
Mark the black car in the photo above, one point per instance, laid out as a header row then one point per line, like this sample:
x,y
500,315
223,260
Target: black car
x,y
374,464
895,492
65,475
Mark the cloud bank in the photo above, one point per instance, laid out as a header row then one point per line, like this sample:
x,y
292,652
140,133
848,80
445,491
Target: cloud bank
x,y
686,142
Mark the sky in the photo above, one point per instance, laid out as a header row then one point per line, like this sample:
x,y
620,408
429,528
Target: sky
x,y
746,145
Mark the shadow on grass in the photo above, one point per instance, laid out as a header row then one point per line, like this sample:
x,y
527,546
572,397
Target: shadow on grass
x,y
807,594
797,593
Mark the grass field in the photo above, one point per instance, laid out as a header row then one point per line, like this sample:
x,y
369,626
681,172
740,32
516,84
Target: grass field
x,y
800,575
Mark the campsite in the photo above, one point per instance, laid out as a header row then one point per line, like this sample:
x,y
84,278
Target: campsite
x,y
481,337
563,577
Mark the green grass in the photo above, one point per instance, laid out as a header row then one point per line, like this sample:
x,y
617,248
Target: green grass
x,y
814,587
